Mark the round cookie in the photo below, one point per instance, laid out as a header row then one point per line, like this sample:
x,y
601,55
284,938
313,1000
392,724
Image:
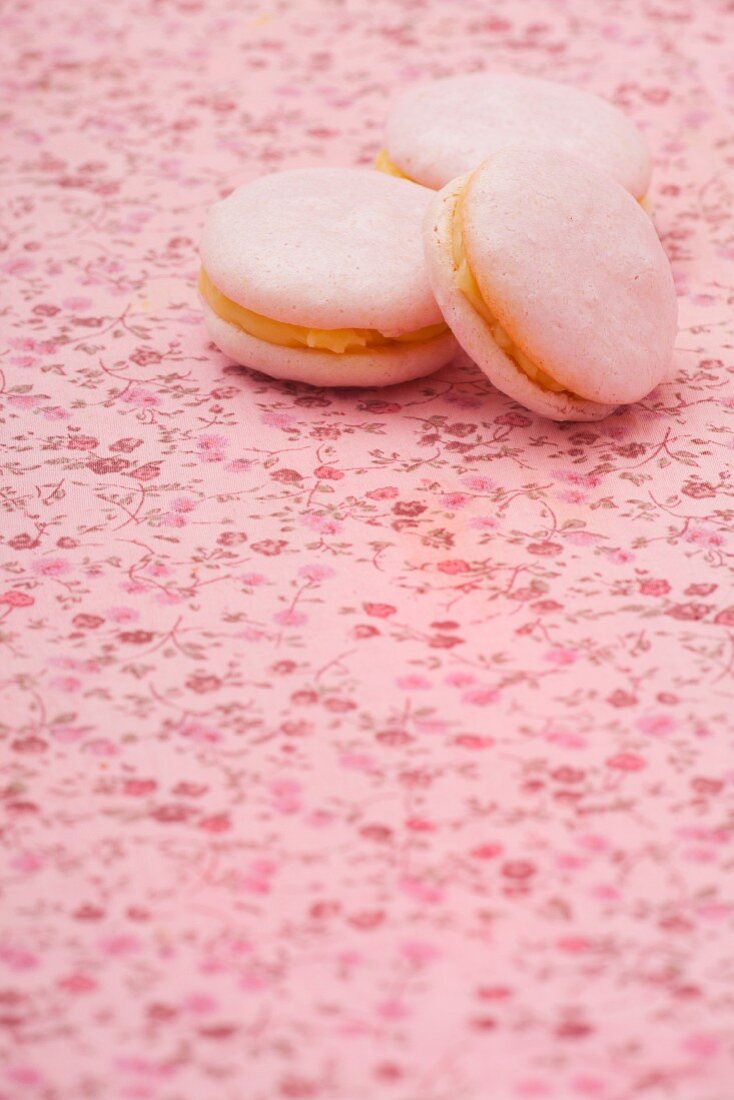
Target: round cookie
x,y
438,131
318,275
554,281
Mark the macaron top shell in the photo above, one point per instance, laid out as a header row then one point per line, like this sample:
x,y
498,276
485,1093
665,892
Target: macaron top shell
x,y
324,248
438,131
572,268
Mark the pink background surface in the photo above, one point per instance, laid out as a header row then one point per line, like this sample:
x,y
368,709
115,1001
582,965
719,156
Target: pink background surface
x,y
366,744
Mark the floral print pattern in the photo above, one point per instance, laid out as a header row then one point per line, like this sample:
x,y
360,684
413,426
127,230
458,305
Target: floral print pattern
x,y
355,744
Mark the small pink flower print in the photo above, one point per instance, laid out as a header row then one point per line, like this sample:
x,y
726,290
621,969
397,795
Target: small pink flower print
x,y
560,655
141,398
412,683
689,612
700,589
123,614
379,610
82,442
51,567
453,501
387,493
654,587
480,483
544,549
725,617
149,471
77,983
15,598
108,465
215,823
125,445
253,580
519,869
328,473
290,617
138,788
66,683
316,572
657,725
201,682
626,762
481,697
286,476
453,566
211,447
143,357
486,851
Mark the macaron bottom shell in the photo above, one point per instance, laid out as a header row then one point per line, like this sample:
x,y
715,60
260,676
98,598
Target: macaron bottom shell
x,y
385,365
473,329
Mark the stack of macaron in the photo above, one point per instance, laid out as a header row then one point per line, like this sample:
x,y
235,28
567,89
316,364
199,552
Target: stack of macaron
x,y
508,218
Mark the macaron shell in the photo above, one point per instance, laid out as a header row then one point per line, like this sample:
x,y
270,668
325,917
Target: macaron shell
x,y
472,331
438,131
574,271
384,366
324,248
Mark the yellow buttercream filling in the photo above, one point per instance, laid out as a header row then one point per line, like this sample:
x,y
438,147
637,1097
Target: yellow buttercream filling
x,y
469,287
337,340
384,164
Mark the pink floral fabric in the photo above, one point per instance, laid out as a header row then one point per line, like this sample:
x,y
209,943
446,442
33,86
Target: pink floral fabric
x,y
357,745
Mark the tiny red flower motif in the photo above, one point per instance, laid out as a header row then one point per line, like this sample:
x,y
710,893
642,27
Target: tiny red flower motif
x,y
328,473
147,472
544,549
701,785
145,356
87,622
486,851
725,617
626,762
288,477
136,637
652,587
201,682
363,630
453,566
126,445
108,465
14,598
444,641
620,698
217,823
411,508
77,983
139,787
474,741
519,869
82,443
171,815
689,612
394,738
367,920
379,610
23,542
513,420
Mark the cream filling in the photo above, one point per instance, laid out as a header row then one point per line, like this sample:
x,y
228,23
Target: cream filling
x,y
340,341
469,287
384,164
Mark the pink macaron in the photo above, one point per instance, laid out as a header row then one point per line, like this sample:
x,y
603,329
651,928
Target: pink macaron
x,y
554,281
318,275
438,131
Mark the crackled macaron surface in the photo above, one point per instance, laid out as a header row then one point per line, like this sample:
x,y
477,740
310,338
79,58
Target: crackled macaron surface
x,y
554,281
438,131
319,275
